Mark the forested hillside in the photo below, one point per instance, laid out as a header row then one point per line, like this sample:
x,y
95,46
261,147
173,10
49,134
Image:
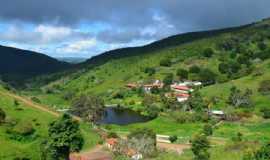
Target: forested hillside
x,y
18,65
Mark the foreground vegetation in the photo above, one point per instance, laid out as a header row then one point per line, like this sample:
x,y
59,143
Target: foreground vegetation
x,y
25,128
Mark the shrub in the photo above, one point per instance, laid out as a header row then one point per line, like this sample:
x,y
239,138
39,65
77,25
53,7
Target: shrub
x,y
152,111
112,135
168,79
68,95
173,138
239,99
182,73
16,103
208,52
150,71
23,129
194,69
264,87
208,130
266,112
166,62
35,99
238,137
207,76
200,146
2,116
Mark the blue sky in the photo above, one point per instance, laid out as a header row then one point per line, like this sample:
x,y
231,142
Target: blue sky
x,y
83,28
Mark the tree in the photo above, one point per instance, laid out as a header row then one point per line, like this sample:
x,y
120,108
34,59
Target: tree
x,y
262,46
207,129
173,138
2,116
264,87
182,73
266,112
208,52
64,137
168,79
239,99
16,103
238,137
143,140
90,107
207,76
196,102
150,71
194,69
200,146
223,68
165,62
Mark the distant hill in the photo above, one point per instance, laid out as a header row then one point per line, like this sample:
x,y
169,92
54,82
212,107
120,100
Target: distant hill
x,y
171,41
17,64
72,60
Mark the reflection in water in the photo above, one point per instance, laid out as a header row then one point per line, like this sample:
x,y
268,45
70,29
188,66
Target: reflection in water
x,y
122,116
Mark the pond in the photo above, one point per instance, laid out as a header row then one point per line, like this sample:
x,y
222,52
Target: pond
x,y
122,116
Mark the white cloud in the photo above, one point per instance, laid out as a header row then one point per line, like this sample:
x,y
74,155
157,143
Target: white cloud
x,y
41,34
81,46
51,33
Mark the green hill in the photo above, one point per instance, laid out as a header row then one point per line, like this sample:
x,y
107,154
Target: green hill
x,y
116,68
19,65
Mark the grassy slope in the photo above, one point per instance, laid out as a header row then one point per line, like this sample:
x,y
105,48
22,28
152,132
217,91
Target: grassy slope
x,y
10,149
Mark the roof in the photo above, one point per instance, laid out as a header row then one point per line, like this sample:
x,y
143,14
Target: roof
x,y
111,141
185,88
217,112
183,95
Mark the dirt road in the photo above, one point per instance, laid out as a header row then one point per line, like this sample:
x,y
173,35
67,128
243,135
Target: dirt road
x,y
30,103
97,153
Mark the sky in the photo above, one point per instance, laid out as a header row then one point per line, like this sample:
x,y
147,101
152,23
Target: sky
x,y
84,28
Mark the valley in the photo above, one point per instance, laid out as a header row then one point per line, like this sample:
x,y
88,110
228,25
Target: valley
x,y
231,66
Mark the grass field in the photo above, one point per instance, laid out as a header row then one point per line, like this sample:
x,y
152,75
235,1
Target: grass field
x,y
10,148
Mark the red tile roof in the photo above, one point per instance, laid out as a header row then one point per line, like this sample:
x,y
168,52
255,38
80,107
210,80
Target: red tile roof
x,y
111,141
183,95
185,88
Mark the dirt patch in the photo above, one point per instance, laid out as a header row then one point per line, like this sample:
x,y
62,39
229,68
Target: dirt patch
x,y
179,148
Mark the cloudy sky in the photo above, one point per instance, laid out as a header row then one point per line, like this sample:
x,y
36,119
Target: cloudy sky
x,y
83,28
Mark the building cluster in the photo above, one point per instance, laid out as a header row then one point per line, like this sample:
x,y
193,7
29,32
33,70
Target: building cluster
x,y
180,90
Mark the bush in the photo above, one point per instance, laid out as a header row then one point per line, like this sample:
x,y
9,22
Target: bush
x,y
207,76
23,129
166,62
168,79
2,116
182,73
194,69
112,135
266,112
150,71
264,87
35,99
200,146
238,137
208,52
173,138
208,130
